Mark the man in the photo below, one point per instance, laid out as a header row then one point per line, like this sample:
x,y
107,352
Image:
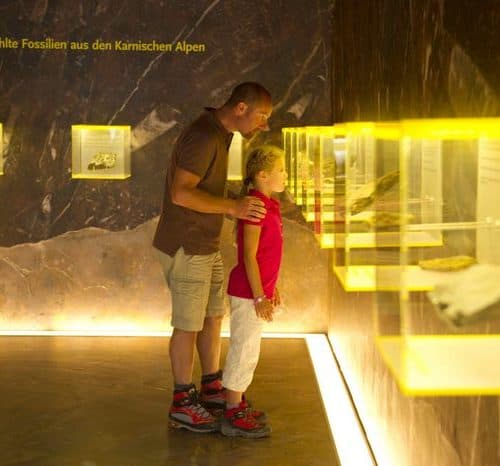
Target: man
x,y
188,237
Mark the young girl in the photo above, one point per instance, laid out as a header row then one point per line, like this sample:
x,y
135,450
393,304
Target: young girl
x,y
252,290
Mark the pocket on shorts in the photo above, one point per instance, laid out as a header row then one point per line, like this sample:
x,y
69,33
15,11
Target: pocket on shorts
x,y
188,287
191,276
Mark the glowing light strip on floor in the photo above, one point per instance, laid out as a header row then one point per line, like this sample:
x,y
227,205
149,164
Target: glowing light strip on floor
x,y
349,438
120,333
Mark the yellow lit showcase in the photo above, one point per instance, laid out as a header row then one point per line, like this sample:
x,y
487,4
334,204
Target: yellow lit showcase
x,y
444,341
100,152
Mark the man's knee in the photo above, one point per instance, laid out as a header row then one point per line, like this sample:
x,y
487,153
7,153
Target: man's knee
x,y
182,338
213,321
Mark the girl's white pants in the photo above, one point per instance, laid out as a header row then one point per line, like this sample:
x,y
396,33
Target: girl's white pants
x,y
244,345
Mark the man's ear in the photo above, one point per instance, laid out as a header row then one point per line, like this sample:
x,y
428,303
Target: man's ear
x,y
241,108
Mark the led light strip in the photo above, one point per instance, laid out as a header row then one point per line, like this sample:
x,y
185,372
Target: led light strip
x,y
350,440
120,333
348,436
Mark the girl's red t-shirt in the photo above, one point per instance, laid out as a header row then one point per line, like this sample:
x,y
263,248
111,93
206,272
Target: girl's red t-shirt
x,y
269,251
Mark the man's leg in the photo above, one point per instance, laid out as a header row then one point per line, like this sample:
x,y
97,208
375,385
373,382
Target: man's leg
x,y
182,356
208,343
186,278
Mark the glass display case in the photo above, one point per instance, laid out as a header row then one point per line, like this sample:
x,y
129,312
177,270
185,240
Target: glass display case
x,y
1,149
329,184
302,167
355,260
290,149
371,237
235,158
439,328
101,152
314,162
287,136
311,197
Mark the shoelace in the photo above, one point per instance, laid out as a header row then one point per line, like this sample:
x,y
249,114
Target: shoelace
x,y
197,407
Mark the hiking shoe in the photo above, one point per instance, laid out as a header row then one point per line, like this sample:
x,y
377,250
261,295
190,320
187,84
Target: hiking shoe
x,y
255,413
213,399
187,413
213,396
237,422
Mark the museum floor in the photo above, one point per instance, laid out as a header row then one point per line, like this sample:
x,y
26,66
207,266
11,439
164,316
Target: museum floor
x,y
102,401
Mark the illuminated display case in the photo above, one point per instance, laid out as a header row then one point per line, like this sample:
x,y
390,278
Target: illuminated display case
x,y
235,158
1,149
371,237
302,166
311,196
288,135
439,329
318,189
355,260
314,162
101,152
329,184
290,148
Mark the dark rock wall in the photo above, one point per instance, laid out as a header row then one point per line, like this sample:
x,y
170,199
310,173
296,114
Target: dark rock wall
x,y
284,45
415,59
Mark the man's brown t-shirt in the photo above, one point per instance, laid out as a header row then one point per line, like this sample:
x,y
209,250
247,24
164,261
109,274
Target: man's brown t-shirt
x,y
202,149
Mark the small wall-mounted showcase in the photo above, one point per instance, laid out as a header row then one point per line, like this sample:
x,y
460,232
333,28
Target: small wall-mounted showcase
x,y
100,152
439,331
235,158
1,149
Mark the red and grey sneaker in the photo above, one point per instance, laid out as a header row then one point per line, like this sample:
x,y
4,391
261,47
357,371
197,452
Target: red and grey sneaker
x,y
213,395
255,413
237,422
187,413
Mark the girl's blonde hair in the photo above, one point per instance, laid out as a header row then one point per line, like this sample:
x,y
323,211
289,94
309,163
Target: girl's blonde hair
x,y
261,158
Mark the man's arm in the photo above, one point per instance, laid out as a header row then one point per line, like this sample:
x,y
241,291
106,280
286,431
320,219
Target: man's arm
x,y
185,193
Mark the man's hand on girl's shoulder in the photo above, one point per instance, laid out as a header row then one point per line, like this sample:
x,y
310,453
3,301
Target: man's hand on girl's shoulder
x,y
249,208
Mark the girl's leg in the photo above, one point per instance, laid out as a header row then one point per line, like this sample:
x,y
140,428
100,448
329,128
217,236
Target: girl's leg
x,y
244,348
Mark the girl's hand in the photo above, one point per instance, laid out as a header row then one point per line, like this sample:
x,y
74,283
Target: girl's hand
x,y
264,309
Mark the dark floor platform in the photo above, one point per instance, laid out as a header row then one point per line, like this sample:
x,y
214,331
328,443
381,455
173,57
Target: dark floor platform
x,y
103,401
